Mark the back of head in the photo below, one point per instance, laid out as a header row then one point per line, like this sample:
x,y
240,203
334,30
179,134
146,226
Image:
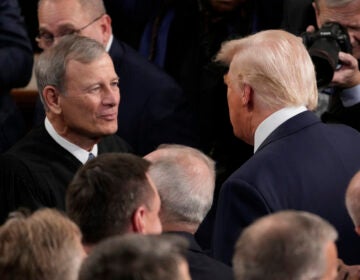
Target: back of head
x,y
45,245
352,200
105,192
288,245
51,65
276,65
136,257
185,179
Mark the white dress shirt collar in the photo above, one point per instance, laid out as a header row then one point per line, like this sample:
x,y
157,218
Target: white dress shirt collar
x,y
272,122
108,45
81,154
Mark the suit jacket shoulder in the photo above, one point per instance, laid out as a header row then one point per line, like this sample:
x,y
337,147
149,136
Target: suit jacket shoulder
x,y
203,267
295,168
35,172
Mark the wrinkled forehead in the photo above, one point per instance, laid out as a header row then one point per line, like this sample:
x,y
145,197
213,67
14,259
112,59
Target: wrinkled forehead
x,y
53,14
346,15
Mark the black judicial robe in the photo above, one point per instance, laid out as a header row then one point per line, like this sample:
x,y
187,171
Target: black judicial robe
x,y
36,171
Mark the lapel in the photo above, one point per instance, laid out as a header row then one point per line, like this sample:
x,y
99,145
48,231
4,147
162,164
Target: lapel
x,y
291,126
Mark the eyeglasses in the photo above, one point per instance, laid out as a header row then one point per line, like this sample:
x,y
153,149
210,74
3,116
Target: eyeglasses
x,y
46,39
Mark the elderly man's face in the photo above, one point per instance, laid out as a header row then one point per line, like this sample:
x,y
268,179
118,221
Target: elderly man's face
x,y
89,106
348,16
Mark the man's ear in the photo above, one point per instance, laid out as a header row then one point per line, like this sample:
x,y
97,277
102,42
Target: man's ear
x,y
317,13
52,99
248,96
106,30
138,222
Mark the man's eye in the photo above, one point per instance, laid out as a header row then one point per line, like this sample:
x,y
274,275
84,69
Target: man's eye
x,y
115,84
94,89
46,36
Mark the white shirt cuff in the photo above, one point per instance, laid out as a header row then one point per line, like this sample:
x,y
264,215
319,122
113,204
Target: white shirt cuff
x,y
350,96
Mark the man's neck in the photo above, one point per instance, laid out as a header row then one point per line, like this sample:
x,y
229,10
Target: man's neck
x,y
180,226
81,141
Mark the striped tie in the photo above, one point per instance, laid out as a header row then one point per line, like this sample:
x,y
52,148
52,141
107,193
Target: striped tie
x,y
91,156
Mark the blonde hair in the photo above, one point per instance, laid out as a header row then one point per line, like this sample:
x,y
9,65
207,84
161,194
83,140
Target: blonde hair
x,y
276,65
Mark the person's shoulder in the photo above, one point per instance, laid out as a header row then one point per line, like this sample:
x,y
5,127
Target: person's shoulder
x,y
202,266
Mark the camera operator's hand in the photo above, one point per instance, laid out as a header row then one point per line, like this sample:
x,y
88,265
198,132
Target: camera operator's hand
x,y
348,75
310,28
348,272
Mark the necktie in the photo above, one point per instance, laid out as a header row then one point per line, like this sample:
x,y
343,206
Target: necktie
x,y
91,156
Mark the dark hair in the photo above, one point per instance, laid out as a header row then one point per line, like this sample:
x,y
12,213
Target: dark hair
x,y
136,257
105,192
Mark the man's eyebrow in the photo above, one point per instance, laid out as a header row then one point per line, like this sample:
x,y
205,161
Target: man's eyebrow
x,y
60,27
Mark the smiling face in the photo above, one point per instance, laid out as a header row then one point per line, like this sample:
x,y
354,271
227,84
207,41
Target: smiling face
x,y
89,107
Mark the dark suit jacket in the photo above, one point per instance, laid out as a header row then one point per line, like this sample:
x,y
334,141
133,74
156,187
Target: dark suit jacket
x,y
201,266
16,60
153,109
36,171
305,165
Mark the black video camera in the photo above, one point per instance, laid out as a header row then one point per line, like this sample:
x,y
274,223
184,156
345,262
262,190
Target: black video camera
x,y
324,46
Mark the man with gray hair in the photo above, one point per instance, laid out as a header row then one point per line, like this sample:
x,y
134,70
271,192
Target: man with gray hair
x,y
298,162
344,105
185,179
287,245
79,89
153,108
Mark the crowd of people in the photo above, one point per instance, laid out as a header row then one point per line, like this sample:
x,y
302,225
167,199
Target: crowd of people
x,y
180,140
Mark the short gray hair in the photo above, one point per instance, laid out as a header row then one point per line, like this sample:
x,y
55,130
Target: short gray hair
x,y
185,178
50,68
285,245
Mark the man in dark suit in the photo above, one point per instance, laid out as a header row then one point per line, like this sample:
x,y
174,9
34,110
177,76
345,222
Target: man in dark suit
x,y
79,88
16,60
153,108
185,178
298,162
